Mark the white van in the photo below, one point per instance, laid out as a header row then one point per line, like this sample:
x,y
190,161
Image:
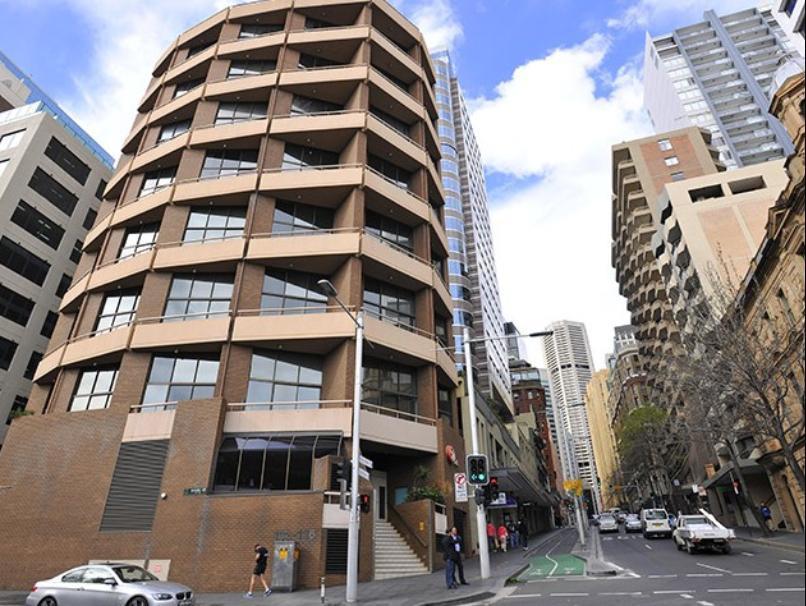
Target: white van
x,y
655,522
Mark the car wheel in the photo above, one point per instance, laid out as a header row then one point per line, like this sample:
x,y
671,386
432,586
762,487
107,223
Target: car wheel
x,y
726,549
48,601
137,601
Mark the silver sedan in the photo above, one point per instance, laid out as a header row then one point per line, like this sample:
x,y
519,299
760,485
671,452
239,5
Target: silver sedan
x,y
109,585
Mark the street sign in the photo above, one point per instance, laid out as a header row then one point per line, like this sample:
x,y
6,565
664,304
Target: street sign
x,y
363,473
573,486
460,487
365,462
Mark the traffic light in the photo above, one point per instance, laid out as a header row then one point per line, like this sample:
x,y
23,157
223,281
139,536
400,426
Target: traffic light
x,y
493,489
344,470
477,470
364,503
480,496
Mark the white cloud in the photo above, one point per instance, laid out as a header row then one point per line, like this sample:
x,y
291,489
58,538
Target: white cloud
x,y
436,19
677,13
551,126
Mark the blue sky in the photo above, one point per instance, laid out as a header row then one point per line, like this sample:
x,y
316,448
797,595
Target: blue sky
x,y
551,85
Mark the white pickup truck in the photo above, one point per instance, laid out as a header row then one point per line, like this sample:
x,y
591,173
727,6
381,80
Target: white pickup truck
x,y
702,531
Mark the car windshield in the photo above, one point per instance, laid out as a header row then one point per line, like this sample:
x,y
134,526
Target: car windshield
x,y
655,514
632,517
697,520
606,518
133,574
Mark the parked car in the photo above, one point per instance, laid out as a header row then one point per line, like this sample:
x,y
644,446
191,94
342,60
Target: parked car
x,y
109,584
608,523
632,523
655,522
617,513
703,531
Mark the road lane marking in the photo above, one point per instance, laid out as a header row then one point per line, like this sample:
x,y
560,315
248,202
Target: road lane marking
x,y
662,576
615,593
787,562
791,574
730,590
750,574
569,595
713,568
686,596
786,589
749,555
524,596
705,574
704,603
672,591
648,546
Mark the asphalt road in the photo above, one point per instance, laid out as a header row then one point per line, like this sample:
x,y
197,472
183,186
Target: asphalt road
x,y
655,572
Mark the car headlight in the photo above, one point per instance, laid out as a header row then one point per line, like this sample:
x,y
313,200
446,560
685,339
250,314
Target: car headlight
x,y
161,596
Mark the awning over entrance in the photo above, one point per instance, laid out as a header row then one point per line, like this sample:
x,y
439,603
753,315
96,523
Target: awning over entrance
x,y
512,480
725,478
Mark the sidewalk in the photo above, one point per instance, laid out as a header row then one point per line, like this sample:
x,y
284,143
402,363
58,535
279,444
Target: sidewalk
x,y
593,555
421,590
782,539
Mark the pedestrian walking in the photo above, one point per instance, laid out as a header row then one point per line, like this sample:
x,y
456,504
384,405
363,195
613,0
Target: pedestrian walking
x,y
767,515
523,533
512,534
491,544
503,536
258,572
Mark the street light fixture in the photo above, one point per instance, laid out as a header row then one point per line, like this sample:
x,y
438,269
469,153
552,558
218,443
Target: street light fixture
x,y
481,517
351,592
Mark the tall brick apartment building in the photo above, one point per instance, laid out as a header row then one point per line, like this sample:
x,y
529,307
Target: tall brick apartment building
x,y
198,386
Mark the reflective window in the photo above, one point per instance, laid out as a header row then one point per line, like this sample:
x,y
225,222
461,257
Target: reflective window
x,y
94,389
67,160
247,67
37,224
228,163
185,87
297,156
313,23
49,324
391,121
215,223
451,183
390,230
230,112
294,291
394,173
174,379
301,106
389,303
198,296
157,179
445,405
22,262
271,462
254,30
671,161
53,191
118,309
290,217
139,239
14,306
307,61
7,350
169,131
284,378
390,386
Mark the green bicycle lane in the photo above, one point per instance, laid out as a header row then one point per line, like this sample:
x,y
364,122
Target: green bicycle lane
x,y
546,566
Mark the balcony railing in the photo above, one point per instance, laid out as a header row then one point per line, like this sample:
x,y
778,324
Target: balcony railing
x,y
398,414
288,405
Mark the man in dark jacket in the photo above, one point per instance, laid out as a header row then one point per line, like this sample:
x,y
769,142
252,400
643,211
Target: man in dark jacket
x,y
452,547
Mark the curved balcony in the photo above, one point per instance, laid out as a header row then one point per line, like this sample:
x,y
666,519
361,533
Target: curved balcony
x,y
304,416
96,346
189,64
332,182
320,251
331,129
203,27
283,327
398,428
224,186
388,51
259,7
223,251
386,135
141,205
164,111
132,141
244,131
325,35
334,73
442,293
234,88
392,90
247,45
92,241
115,185
167,333
159,152
412,271
410,202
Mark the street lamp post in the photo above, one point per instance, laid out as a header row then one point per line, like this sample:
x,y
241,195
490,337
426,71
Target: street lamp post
x,y
481,517
351,592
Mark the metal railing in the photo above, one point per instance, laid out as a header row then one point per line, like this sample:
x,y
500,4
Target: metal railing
x,y
287,405
398,414
395,322
290,311
306,232
153,407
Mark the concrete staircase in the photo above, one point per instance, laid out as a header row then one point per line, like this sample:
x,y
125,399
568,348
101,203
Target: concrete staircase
x,y
393,556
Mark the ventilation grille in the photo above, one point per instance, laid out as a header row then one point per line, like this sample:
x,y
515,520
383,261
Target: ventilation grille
x,y
336,551
135,488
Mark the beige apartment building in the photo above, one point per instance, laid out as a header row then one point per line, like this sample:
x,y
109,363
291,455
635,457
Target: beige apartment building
x,y
52,175
603,438
278,143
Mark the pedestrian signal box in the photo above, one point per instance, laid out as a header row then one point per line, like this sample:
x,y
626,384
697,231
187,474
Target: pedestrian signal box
x,y
477,473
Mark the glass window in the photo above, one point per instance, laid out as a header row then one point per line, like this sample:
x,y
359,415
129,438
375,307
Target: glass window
x,y
313,23
230,112
228,163
390,386
389,303
445,405
290,217
64,284
294,291
17,406
301,106
22,262
89,219
391,121
139,239
185,87
307,61
671,161
678,176
11,140
75,254
215,223
118,309
169,131
33,362
53,191
284,378
15,307
249,67
297,156
94,389
37,224
451,184
7,350
157,179
394,173
176,378
454,224
254,30
49,324
390,230
67,160
197,296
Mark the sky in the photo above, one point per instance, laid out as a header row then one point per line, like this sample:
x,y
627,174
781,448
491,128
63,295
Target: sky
x,y
551,84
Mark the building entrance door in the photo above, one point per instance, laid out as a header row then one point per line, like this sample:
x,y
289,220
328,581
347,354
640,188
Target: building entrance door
x,y
380,496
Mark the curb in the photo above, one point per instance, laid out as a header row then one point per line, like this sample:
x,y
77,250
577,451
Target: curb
x,y
467,599
766,543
